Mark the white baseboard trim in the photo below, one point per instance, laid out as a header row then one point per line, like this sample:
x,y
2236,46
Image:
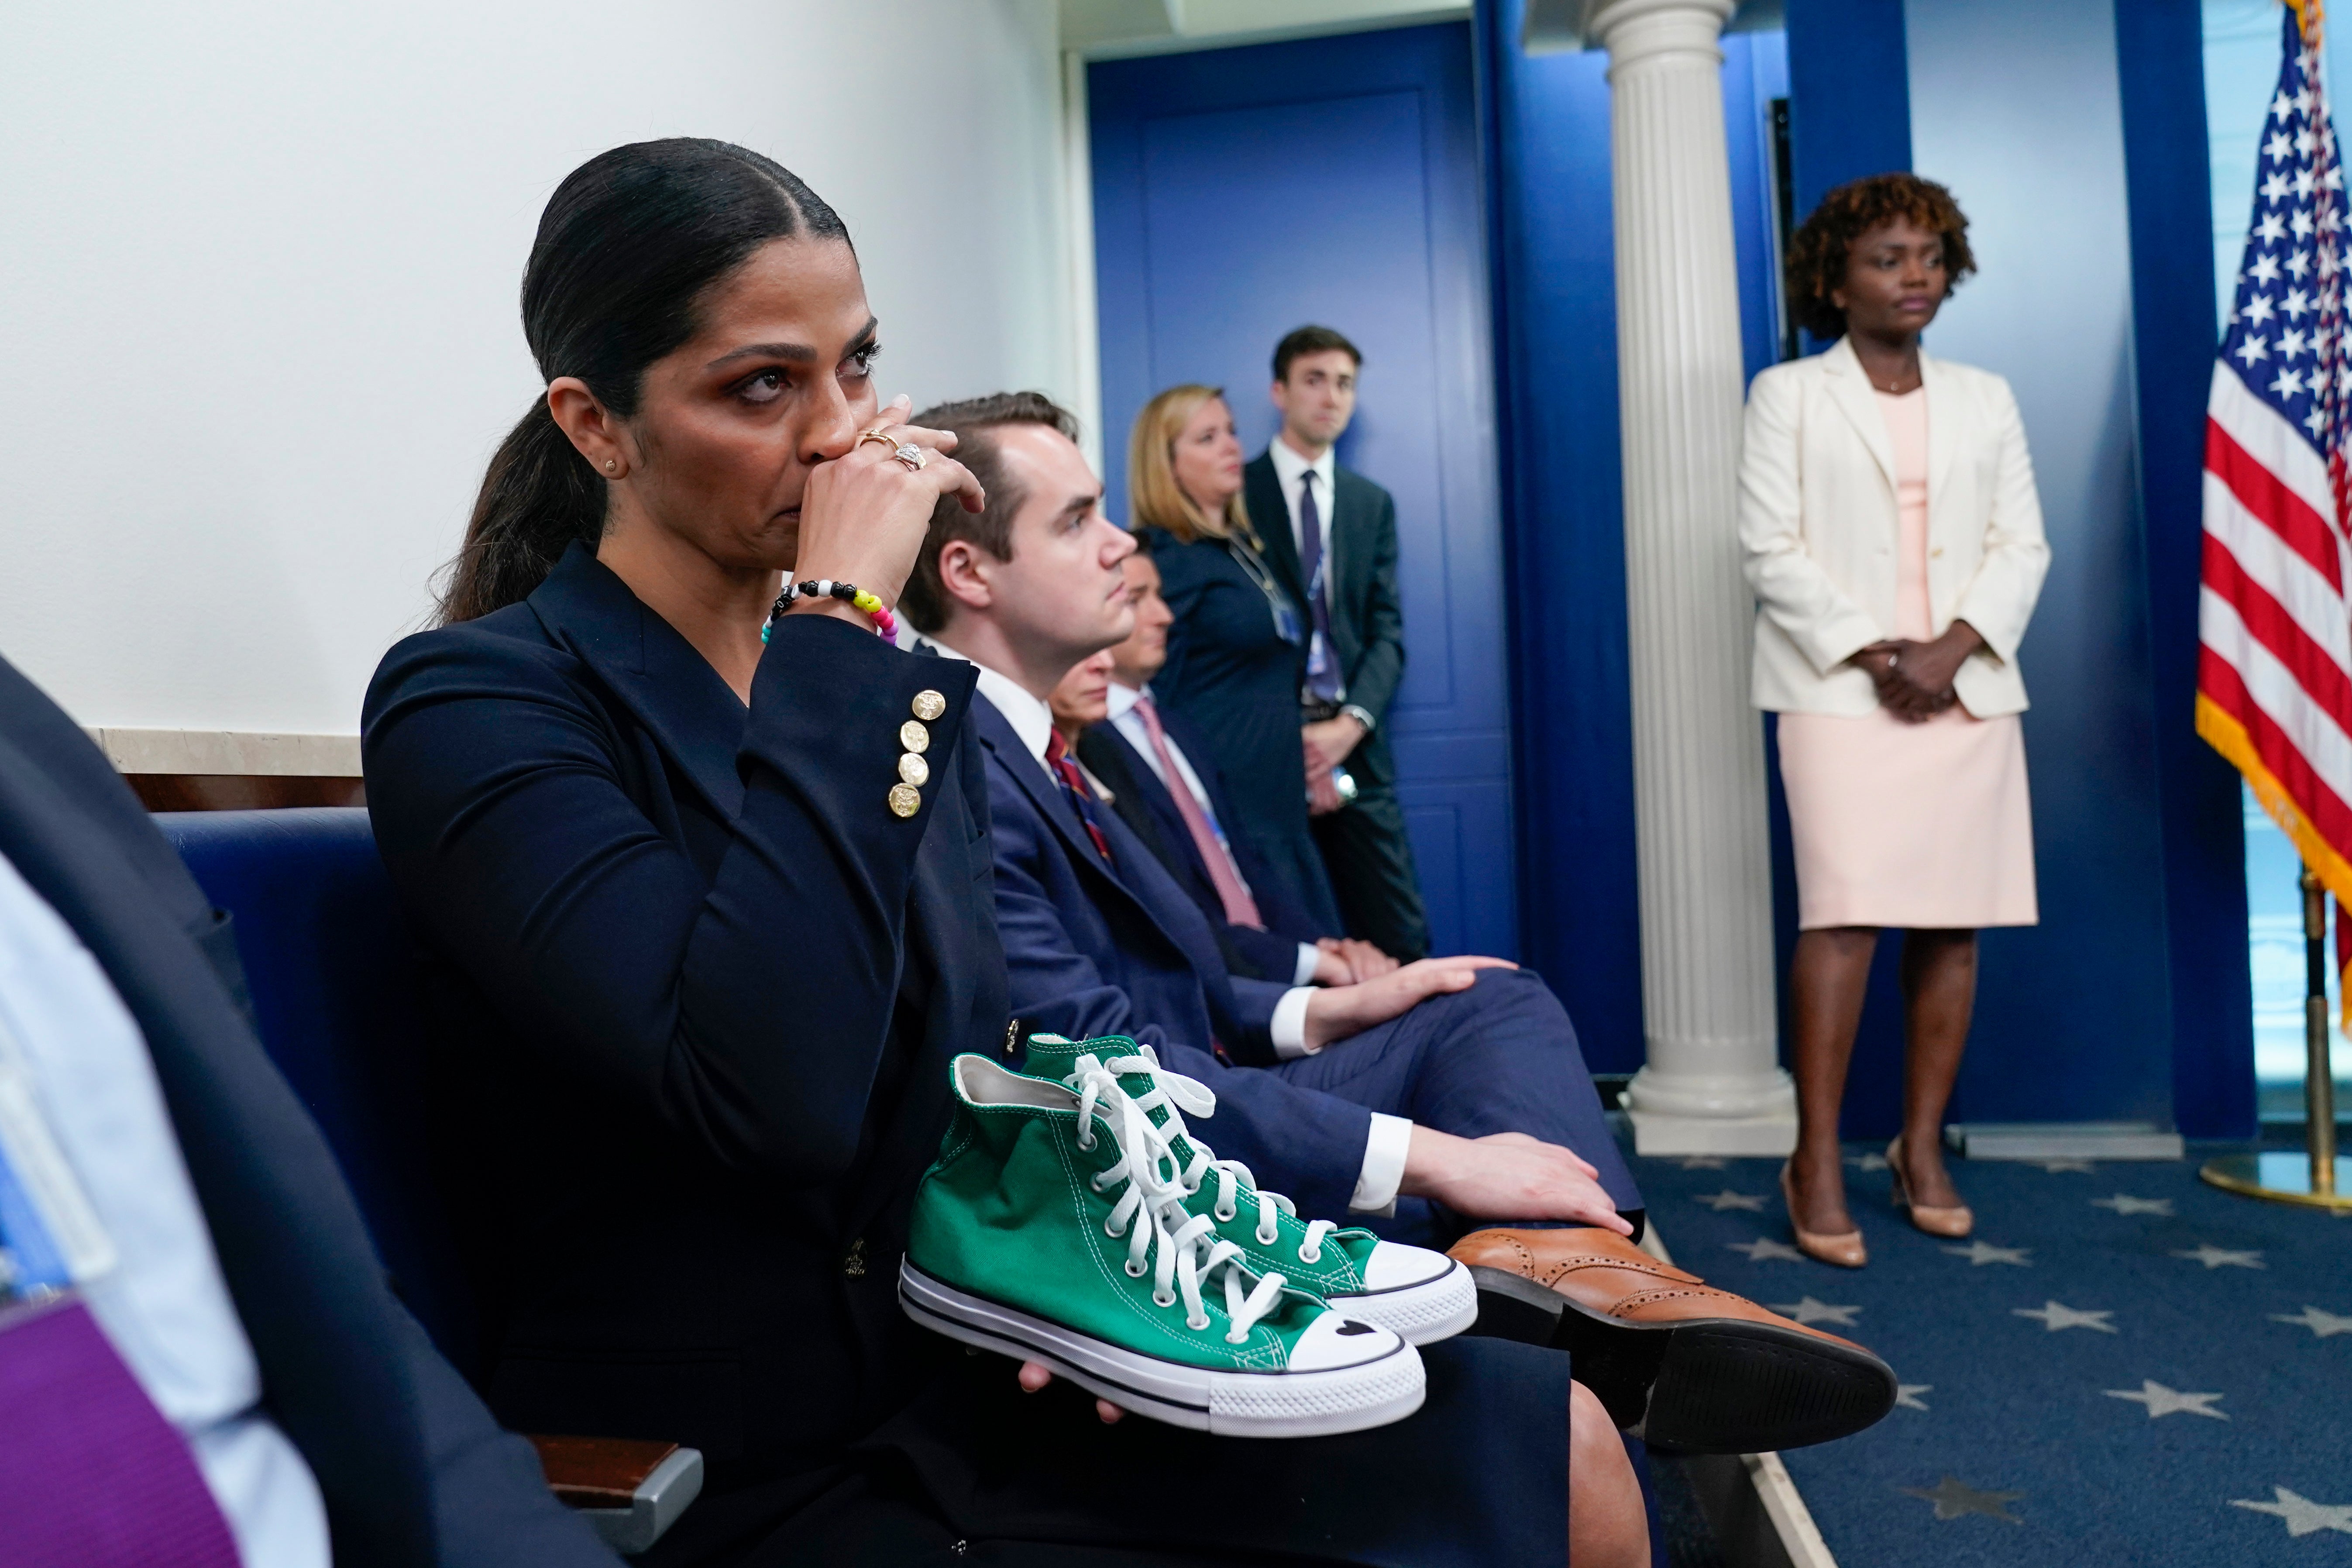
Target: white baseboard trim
x,y
233,752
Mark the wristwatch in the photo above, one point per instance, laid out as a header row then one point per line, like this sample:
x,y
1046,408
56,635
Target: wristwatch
x,y
1361,715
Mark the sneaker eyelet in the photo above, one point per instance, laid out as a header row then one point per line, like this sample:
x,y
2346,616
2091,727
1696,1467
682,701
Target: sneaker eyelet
x,y
1197,1324
1114,1234
1307,1256
1224,1215
1135,1270
1233,1339
1087,1140
1159,1300
1268,1237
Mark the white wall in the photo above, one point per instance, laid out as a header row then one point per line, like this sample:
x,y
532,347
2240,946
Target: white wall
x,y
259,270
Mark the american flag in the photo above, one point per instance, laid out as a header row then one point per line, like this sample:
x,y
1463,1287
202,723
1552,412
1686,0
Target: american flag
x,y
2275,671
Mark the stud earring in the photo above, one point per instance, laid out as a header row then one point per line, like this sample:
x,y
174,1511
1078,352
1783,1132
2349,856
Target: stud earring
x,y
610,465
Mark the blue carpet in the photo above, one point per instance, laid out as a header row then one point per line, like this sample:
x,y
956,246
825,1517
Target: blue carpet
x,y
2013,1448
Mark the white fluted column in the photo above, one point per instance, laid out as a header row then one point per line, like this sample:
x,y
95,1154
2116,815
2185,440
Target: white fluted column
x,y
1712,1084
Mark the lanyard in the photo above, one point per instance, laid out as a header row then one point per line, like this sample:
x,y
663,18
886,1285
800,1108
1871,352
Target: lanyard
x,y
1286,624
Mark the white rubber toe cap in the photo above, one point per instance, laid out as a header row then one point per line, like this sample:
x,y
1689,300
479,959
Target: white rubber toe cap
x,y
1393,1266
1335,1340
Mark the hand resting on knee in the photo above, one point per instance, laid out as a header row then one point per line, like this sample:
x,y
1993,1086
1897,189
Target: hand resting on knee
x,y
1336,1012
1506,1176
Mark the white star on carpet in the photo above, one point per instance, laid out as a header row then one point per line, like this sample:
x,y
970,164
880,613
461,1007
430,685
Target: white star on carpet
x,y
2055,1316
1702,1163
1764,1249
2321,1324
2163,1401
1867,1162
1952,1498
1811,1311
1983,1252
1907,1395
2302,1516
2124,1202
1726,1199
2065,1167
2213,1257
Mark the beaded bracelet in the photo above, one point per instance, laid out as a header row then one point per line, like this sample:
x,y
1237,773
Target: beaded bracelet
x,y
884,624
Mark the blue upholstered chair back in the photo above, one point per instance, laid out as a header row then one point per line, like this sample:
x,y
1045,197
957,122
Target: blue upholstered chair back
x,y
332,968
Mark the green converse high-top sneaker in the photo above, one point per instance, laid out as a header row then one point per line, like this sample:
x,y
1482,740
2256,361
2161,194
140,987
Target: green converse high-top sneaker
x,y
1044,1232
1416,1294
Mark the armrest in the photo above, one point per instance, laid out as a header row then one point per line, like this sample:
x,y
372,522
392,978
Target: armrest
x,y
630,1491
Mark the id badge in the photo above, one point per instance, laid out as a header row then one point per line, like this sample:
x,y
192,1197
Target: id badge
x,y
1286,624
50,1238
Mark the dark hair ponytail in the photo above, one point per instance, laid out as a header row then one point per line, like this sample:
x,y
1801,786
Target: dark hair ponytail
x,y
629,243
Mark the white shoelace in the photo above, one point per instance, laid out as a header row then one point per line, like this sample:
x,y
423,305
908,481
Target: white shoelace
x,y
1172,1091
1154,1196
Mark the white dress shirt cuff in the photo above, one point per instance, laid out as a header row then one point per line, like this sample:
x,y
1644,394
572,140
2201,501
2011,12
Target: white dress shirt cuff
x,y
1303,973
1288,1025
1384,1172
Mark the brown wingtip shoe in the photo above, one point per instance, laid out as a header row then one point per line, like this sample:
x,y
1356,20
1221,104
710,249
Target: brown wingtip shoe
x,y
1677,1362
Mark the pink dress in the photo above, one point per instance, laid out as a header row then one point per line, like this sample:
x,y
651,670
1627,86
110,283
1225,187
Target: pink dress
x,y
1910,826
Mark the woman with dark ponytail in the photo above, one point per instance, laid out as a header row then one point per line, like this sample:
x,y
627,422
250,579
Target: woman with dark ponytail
x,y
705,899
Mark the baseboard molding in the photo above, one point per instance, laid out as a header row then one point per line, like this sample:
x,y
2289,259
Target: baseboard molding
x,y
2065,1140
242,753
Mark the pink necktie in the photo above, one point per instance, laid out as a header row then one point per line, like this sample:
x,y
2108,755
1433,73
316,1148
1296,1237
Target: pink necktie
x,y
1241,909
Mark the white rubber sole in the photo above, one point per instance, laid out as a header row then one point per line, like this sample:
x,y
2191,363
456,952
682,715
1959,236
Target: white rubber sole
x,y
1227,1403
1419,1314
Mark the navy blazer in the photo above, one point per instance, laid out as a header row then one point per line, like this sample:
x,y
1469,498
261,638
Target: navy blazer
x,y
414,1470
1231,672
1367,608
1096,951
1269,951
699,986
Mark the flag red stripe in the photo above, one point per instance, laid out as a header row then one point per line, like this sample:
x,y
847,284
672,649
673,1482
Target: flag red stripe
x,y
2263,493
2321,677
2218,681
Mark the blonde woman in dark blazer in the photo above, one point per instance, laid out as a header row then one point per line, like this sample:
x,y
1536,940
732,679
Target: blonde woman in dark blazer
x,y
1893,541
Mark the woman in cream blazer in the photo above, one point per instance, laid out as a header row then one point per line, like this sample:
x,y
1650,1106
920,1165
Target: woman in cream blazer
x,y
1893,541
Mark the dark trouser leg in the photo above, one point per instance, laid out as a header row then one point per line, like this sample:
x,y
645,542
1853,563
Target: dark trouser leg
x,y
1370,861
1501,1057
1298,860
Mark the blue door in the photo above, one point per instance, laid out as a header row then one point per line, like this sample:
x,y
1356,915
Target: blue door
x,y
1241,193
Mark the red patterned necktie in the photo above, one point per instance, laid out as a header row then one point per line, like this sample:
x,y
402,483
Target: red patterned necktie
x,y
1073,785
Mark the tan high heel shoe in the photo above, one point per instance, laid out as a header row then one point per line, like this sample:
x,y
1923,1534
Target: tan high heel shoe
x,y
1844,1250
1954,1221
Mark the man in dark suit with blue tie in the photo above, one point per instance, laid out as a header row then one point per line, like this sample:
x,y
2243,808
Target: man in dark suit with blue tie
x,y
1330,536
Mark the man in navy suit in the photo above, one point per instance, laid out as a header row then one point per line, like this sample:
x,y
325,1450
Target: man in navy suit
x,y
225,1373
1444,1097
1144,755
1455,1085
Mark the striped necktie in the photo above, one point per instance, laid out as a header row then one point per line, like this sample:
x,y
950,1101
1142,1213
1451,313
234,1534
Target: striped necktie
x,y
1073,785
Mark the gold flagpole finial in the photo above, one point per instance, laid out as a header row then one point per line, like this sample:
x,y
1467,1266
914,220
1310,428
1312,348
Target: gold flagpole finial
x,y
2308,15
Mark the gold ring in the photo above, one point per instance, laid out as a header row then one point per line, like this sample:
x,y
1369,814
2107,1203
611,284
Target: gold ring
x,y
878,432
